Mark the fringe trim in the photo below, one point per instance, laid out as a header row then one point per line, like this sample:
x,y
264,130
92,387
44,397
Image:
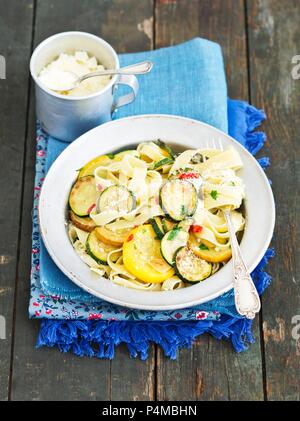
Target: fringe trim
x,y
254,140
100,338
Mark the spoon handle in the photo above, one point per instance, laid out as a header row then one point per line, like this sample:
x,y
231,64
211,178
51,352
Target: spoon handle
x,y
137,69
247,300
134,69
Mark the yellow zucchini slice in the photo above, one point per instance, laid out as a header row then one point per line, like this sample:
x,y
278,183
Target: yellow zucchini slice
x,y
115,238
119,156
141,255
83,195
103,160
83,223
208,253
203,241
90,167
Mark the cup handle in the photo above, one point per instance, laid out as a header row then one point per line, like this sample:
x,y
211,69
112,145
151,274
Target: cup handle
x,y
132,82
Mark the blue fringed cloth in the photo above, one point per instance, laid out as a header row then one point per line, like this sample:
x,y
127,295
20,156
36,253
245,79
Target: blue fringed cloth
x,y
187,80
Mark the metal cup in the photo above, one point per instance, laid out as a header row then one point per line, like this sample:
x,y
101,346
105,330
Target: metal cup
x,y
67,117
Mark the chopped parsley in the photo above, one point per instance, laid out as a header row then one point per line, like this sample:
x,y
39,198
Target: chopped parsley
x,y
173,233
110,155
214,194
183,210
164,161
187,169
232,183
203,247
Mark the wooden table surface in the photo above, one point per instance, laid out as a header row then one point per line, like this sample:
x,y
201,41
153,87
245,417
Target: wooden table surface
x,y
259,39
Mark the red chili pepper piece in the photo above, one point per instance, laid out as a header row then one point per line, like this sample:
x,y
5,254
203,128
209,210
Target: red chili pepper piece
x,y
91,208
188,175
196,228
130,237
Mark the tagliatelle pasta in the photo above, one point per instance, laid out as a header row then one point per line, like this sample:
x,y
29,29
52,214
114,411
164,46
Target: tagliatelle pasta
x,y
172,284
153,220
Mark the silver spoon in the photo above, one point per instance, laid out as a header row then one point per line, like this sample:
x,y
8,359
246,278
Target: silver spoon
x,y
75,80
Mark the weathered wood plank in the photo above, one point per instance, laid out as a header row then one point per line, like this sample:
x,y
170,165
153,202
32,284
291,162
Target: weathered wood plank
x,y
132,379
220,21
126,24
15,48
274,34
46,374
211,370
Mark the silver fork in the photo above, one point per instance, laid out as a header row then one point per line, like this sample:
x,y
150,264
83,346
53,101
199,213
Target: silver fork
x,y
246,297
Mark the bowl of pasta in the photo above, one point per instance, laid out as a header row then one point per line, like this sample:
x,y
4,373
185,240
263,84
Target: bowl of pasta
x,y
132,211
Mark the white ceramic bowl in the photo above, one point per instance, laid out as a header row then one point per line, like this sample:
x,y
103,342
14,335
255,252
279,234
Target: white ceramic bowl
x,y
182,133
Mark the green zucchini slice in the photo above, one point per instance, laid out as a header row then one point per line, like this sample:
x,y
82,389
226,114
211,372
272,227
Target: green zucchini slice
x,y
97,249
157,226
178,199
189,267
171,242
83,195
116,198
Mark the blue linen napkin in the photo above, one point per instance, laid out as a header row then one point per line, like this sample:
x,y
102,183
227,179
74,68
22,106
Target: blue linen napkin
x,y
186,80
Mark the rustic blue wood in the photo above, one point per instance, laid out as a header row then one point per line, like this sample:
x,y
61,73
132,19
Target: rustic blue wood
x,y
259,39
